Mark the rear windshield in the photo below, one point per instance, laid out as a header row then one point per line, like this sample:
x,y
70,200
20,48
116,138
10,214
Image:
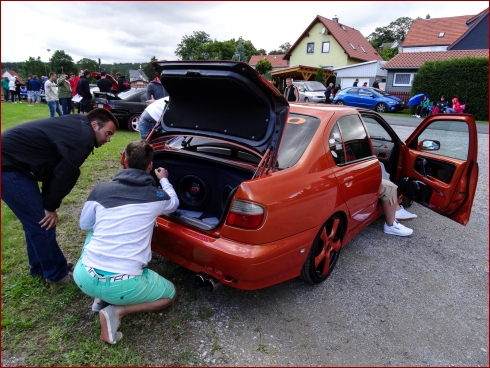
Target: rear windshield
x,y
129,92
299,131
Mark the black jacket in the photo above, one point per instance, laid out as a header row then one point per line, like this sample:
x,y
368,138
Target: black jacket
x,y
122,84
104,84
51,151
83,88
376,85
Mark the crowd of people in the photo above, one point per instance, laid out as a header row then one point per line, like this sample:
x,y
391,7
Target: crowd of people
x,y
424,108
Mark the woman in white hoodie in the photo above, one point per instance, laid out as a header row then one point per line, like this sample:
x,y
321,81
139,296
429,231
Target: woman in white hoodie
x,y
12,90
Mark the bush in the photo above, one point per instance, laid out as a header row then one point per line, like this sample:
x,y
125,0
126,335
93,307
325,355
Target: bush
x,y
466,79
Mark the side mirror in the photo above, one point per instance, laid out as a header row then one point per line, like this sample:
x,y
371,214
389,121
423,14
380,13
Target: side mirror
x,y
429,145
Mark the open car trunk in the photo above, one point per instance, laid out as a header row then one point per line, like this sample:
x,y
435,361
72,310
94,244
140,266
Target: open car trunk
x,y
204,186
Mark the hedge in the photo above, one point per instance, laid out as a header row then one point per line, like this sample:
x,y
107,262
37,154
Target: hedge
x,y
466,79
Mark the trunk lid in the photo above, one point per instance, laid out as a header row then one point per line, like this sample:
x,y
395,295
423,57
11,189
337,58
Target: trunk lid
x,y
222,99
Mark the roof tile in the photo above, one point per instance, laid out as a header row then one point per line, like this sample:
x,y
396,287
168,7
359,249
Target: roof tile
x,y
276,61
417,59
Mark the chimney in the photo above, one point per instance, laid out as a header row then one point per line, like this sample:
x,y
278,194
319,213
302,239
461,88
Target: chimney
x,y
335,19
427,16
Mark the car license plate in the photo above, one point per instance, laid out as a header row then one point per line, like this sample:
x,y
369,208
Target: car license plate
x,y
100,105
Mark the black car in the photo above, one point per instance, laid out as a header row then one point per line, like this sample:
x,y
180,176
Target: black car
x,y
126,106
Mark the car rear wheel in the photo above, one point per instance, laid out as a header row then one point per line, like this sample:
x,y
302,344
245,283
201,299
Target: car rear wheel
x,y
340,102
381,107
324,251
307,99
133,123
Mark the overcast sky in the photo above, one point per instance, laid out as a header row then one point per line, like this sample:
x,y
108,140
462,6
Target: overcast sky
x,y
135,31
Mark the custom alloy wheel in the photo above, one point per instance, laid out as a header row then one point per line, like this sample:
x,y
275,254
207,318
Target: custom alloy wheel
x,y
133,123
324,251
381,107
340,102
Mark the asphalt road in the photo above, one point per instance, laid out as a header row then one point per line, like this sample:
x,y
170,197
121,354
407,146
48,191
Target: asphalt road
x,y
391,301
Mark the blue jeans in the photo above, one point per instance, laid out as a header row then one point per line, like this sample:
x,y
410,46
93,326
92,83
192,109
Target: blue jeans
x,y
22,195
54,105
6,94
66,105
450,111
145,125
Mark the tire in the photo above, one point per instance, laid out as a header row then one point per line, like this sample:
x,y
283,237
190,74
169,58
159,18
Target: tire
x,y
406,202
307,99
133,123
381,107
324,251
340,102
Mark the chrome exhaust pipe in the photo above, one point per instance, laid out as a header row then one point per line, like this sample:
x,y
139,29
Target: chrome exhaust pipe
x,y
200,278
211,283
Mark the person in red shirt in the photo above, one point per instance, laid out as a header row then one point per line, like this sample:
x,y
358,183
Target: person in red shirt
x,y
74,83
456,109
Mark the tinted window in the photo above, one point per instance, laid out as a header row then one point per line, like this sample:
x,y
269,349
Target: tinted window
x,y
352,91
125,94
354,138
336,146
298,133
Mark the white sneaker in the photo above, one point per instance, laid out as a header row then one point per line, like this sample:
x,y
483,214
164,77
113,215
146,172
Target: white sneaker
x,y
397,229
403,214
418,116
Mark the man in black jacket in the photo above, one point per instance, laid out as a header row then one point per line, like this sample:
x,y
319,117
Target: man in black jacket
x,y
50,151
104,84
122,83
83,89
155,91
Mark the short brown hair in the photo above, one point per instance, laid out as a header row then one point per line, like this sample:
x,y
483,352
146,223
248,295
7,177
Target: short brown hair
x,y
102,117
139,155
86,72
51,74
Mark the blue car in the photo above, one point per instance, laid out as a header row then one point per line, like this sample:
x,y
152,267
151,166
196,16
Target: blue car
x,y
23,92
368,98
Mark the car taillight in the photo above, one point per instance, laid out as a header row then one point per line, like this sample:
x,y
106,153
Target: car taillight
x,y
245,214
107,107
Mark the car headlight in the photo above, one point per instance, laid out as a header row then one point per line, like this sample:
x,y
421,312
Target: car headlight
x,y
393,102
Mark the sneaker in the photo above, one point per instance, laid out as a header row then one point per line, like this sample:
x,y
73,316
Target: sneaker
x,y
403,214
418,116
20,101
109,324
397,229
98,305
68,279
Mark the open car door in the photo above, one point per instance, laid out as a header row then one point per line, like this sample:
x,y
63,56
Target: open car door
x,y
438,167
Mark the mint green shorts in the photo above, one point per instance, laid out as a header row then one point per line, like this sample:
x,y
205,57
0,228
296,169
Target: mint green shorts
x,y
148,287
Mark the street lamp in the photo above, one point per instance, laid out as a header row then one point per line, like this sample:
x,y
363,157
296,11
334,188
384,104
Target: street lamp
x,y
48,63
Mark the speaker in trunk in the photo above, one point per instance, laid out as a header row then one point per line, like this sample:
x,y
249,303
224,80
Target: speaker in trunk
x,y
193,191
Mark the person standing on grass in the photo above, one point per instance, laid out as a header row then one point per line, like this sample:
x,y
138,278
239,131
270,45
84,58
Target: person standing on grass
x,y
111,268
64,93
17,88
35,85
12,90
49,151
28,88
104,84
51,90
5,87
83,89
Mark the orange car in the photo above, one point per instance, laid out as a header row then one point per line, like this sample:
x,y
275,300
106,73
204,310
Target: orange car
x,y
269,192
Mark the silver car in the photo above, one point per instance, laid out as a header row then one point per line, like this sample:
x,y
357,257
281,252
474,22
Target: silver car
x,y
310,91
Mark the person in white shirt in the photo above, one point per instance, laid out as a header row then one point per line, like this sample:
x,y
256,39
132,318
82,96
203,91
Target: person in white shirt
x,y
51,91
151,115
120,216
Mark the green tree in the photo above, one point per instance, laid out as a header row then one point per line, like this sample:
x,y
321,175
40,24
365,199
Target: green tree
x,y
239,54
263,66
34,67
285,47
249,49
388,53
193,47
220,50
396,30
262,52
62,61
89,64
320,75
149,69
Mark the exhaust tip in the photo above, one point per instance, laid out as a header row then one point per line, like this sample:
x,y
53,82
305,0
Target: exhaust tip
x,y
200,278
211,283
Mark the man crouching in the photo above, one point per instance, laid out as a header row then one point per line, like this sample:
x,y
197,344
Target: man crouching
x,y
120,216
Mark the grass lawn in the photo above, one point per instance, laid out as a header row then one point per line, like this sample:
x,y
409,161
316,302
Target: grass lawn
x,y
52,325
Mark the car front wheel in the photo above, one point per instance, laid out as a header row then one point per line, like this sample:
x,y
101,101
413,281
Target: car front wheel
x,y
324,251
340,102
381,107
133,123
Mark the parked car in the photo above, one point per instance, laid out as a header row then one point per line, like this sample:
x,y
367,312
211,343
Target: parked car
x,y
127,106
271,191
310,91
368,98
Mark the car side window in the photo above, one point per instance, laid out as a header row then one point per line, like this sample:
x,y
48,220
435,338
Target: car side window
x,y
354,143
365,92
143,97
453,137
376,131
352,91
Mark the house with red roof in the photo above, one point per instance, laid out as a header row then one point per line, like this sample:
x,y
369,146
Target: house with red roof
x,y
276,61
11,74
434,40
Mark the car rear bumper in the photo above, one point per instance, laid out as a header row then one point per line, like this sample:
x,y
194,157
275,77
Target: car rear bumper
x,y
239,265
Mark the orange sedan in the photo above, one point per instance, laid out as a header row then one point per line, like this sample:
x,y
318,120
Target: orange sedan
x,y
270,191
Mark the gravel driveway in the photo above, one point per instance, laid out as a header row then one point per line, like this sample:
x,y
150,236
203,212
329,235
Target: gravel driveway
x,y
415,301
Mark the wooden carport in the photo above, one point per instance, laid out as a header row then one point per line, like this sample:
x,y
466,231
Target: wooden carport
x,y
298,72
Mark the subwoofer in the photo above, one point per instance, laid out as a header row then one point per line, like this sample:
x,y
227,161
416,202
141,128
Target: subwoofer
x,y
193,191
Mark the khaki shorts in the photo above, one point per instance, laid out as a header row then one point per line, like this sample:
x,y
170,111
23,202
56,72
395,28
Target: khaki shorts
x,y
387,191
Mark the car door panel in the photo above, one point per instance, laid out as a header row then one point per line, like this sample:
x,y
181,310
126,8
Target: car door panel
x,y
444,180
